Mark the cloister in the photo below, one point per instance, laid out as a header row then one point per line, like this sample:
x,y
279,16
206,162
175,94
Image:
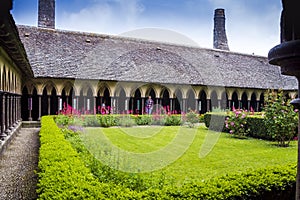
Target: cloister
x,y
51,96
42,70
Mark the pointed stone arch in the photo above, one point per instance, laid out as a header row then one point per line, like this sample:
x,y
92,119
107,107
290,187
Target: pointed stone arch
x,y
191,100
244,101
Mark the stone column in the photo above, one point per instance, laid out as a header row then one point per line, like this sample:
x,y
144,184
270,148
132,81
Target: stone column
x,y
143,105
7,113
208,105
29,108
84,104
184,109
249,105
2,134
40,107
229,104
219,103
19,108
3,123
14,110
95,105
49,104
10,111
157,105
59,104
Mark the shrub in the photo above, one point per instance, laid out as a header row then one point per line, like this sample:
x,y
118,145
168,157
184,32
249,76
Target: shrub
x,y
192,118
267,183
143,119
125,121
256,127
107,120
90,121
173,120
63,175
280,118
215,121
236,123
63,120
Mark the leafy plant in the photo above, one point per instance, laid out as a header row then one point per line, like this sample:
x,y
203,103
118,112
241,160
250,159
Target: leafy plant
x,y
192,118
280,118
236,123
173,120
107,120
126,121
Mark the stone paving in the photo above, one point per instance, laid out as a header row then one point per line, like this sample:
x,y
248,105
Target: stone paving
x,y
18,164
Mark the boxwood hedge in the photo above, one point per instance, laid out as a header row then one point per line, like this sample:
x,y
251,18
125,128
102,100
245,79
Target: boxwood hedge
x,y
64,175
255,124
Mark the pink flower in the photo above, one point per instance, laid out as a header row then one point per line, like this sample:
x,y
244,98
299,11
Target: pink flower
x,y
232,123
231,131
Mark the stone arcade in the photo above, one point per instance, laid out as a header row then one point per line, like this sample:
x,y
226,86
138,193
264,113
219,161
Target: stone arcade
x,y
42,69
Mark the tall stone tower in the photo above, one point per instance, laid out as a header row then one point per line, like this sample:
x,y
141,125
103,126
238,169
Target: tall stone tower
x,y
46,14
220,38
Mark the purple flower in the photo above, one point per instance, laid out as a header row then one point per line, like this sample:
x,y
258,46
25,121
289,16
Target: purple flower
x,y
232,123
231,131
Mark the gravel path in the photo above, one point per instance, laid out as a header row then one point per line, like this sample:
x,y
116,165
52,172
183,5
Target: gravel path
x,y
17,166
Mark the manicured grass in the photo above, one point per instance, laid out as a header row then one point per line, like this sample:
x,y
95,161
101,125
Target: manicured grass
x,y
182,153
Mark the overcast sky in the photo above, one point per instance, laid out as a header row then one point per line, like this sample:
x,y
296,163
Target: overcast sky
x,y
252,25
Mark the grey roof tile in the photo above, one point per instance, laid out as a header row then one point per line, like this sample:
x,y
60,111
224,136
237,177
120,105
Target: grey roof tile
x,y
67,54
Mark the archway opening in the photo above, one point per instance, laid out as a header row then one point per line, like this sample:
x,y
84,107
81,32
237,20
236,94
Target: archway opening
x,y
202,102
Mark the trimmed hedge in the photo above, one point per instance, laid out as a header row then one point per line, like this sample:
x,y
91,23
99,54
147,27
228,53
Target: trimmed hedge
x,y
63,175
268,184
255,124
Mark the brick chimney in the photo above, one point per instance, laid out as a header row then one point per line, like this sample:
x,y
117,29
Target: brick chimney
x,y
220,39
46,14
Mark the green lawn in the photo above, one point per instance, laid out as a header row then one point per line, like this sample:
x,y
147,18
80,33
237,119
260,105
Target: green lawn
x,y
182,153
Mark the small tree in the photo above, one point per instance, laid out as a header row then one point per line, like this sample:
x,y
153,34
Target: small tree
x,y
280,118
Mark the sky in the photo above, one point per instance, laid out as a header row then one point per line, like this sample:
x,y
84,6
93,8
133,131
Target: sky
x,y
252,26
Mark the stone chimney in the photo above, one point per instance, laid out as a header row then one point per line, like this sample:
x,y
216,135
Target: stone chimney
x,y
46,14
220,38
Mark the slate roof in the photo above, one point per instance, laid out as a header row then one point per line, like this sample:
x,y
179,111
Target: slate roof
x,y
68,54
10,41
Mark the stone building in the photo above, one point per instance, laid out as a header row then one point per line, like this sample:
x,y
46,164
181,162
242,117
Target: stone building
x,y
14,70
85,70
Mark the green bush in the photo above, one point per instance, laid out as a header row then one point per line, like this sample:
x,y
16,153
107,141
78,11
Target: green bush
x,y
281,120
90,121
143,119
125,121
215,121
173,120
257,128
236,123
63,120
67,172
107,120
267,184
63,175
254,124
192,118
